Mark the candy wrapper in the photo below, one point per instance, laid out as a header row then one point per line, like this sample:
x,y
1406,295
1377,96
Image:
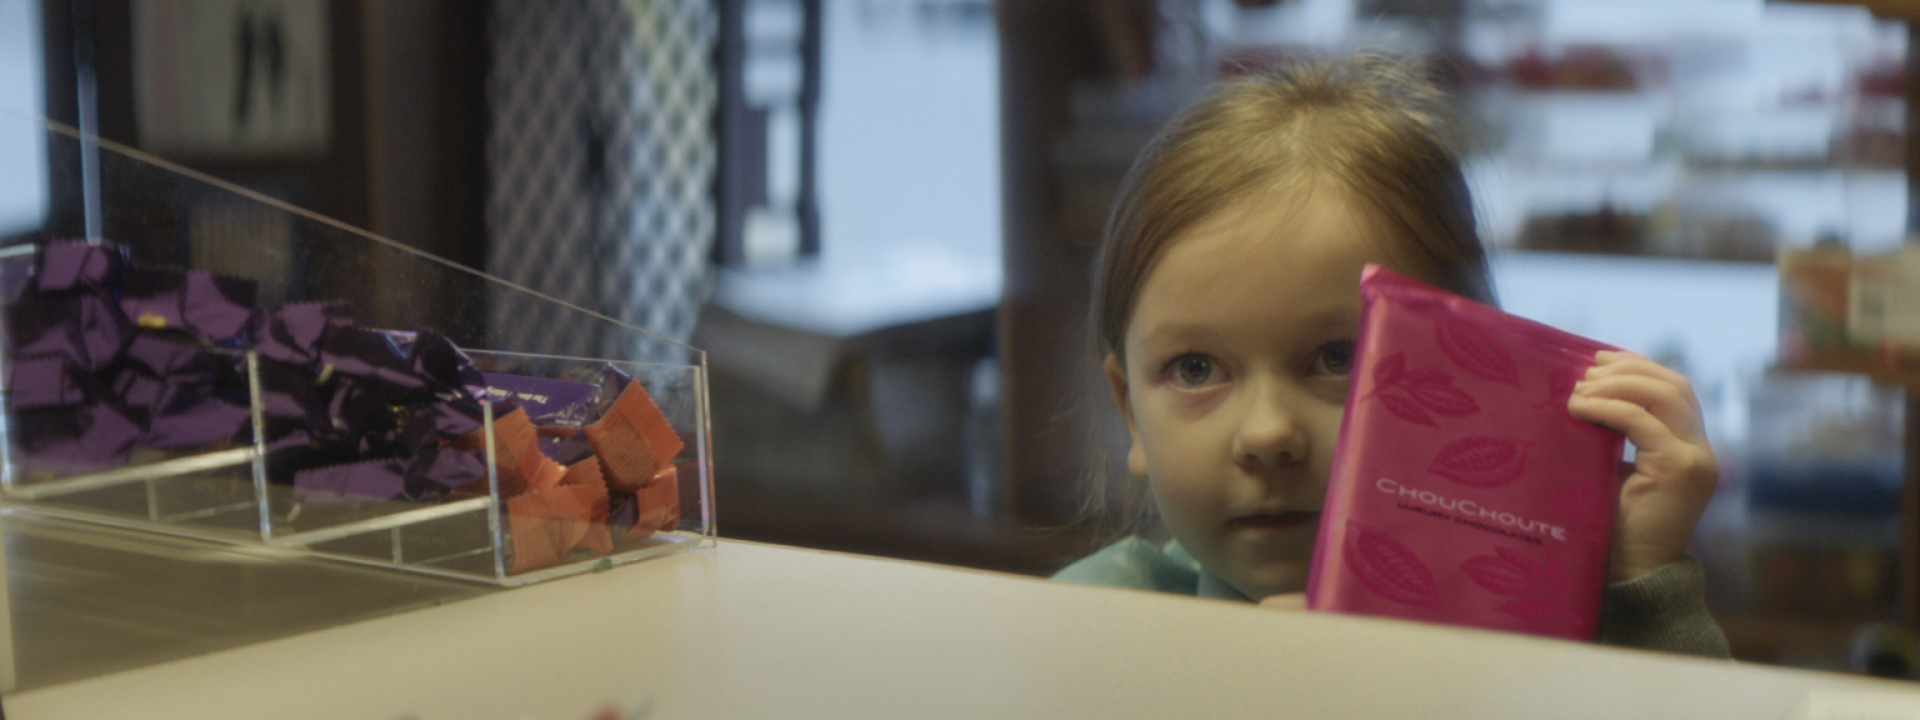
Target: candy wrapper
x,y
549,402
581,464
110,363
105,359
1462,491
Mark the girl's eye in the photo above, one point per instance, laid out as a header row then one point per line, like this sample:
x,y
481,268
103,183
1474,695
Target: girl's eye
x,y
1193,370
1334,358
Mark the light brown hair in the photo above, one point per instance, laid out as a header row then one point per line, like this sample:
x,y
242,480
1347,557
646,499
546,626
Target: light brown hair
x,y
1374,126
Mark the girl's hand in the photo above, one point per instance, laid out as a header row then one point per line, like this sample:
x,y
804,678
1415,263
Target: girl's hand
x,y
1673,473
1289,601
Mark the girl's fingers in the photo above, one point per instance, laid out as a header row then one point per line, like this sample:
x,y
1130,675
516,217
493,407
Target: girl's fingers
x,y
1668,403
1659,453
1674,471
1607,362
1640,425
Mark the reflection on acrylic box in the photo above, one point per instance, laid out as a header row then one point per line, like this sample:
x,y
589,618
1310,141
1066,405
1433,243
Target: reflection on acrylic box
x,y
1462,492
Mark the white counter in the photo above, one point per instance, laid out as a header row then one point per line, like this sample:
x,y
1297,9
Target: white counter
x,y
754,631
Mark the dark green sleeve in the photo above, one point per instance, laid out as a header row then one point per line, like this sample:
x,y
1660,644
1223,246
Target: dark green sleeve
x,y
1663,610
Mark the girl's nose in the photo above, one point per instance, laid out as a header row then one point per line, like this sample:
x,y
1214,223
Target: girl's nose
x,y
1271,432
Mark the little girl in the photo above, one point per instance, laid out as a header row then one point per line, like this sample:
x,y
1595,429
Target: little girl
x,y
1226,305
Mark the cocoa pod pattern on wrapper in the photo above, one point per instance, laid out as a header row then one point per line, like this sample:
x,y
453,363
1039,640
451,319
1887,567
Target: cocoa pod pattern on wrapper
x,y
1407,409
1481,462
1389,370
1388,568
1559,388
1534,591
1443,399
1476,352
1427,392
1498,575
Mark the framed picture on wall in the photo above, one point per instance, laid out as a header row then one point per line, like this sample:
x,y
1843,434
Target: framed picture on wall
x,y
232,79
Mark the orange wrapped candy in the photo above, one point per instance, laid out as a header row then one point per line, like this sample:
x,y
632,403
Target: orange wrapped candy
x,y
633,441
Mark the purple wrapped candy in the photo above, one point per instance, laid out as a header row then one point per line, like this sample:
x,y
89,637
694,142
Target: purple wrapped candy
x,y
440,362
105,360
16,277
368,355
441,420
68,441
38,428
207,421
139,391
548,402
78,264
337,484
87,329
345,394
39,326
402,340
151,298
104,331
369,413
296,440
572,450
436,470
612,384
292,334
216,308
43,381
287,393
178,395
164,356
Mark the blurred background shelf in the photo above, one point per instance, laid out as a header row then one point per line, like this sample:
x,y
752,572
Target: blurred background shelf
x,y
1864,365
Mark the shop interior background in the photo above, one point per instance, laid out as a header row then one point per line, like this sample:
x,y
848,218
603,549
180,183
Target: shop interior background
x,y
907,376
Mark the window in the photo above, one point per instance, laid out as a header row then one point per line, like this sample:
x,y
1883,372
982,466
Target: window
x,y
23,195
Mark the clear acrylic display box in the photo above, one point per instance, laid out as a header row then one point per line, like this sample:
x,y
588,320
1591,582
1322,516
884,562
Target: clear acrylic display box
x,y
239,488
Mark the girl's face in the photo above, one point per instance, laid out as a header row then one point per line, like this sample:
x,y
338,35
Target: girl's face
x,y
1235,379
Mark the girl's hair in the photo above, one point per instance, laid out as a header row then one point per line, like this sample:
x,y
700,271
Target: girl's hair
x,y
1370,125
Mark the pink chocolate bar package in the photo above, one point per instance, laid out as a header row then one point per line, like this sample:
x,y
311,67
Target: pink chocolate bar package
x,y
1461,491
